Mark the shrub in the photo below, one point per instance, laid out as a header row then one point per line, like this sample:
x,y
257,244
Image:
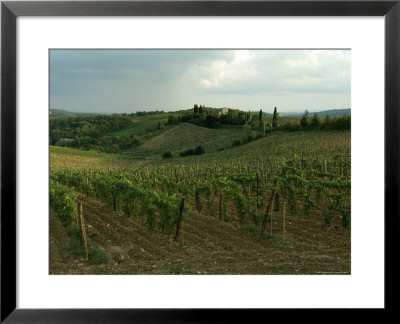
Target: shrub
x,y
248,139
167,155
199,150
96,255
291,127
187,152
75,246
236,142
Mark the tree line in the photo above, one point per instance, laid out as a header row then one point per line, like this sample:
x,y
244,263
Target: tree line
x,y
211,118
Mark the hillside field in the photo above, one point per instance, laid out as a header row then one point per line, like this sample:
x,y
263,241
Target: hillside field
x,y
131,203
140,125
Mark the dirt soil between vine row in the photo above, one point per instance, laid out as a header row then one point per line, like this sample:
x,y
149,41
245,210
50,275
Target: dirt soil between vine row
x,y
209,246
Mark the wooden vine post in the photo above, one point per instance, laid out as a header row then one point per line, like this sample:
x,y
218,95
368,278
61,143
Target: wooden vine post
x,y
271,199
284,220
179,223
340,167
257,183
82,229
87,186
220,204
272,207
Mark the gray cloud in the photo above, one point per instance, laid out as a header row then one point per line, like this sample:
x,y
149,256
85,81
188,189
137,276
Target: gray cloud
x,y
131,80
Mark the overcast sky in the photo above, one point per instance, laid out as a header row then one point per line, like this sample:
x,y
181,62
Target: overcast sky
x,y
136,80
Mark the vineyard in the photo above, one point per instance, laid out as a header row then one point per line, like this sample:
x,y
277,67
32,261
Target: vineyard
x,y
259,194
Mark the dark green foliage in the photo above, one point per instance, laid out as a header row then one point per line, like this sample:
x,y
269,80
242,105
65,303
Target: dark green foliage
x,y
167,155
290,127
315,122
251,228
172,120
82,131
196,151
96,255
146,113
254,229
276,202
314,187
199,150
337,123
248,139
305,122
199,205
187,152
346,219
89,132
275,118
236,142
75,246
63,202
210,119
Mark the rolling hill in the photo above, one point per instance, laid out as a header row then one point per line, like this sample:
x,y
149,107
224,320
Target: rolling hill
x,y
185,136
58,113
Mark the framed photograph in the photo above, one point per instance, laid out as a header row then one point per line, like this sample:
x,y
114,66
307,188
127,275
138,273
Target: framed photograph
x,y
180,160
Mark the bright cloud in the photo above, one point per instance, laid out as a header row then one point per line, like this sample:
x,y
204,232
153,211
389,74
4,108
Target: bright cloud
x,y
131,80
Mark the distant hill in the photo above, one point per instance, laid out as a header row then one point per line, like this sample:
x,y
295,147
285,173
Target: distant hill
x,y
331,113
57,113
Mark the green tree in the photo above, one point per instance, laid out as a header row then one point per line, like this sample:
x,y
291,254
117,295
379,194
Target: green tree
x,y
260,116
315,122
203,112
275,118
196,109
172,119
304,122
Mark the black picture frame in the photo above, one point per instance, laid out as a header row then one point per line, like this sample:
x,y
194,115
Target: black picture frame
x,y
10,10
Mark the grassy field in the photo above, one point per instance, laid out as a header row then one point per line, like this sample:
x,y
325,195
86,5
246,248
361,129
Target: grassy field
x,y
274,146
278,146
64,157
185,136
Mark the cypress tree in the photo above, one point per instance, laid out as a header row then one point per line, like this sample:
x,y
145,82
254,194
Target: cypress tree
x,y
275,118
